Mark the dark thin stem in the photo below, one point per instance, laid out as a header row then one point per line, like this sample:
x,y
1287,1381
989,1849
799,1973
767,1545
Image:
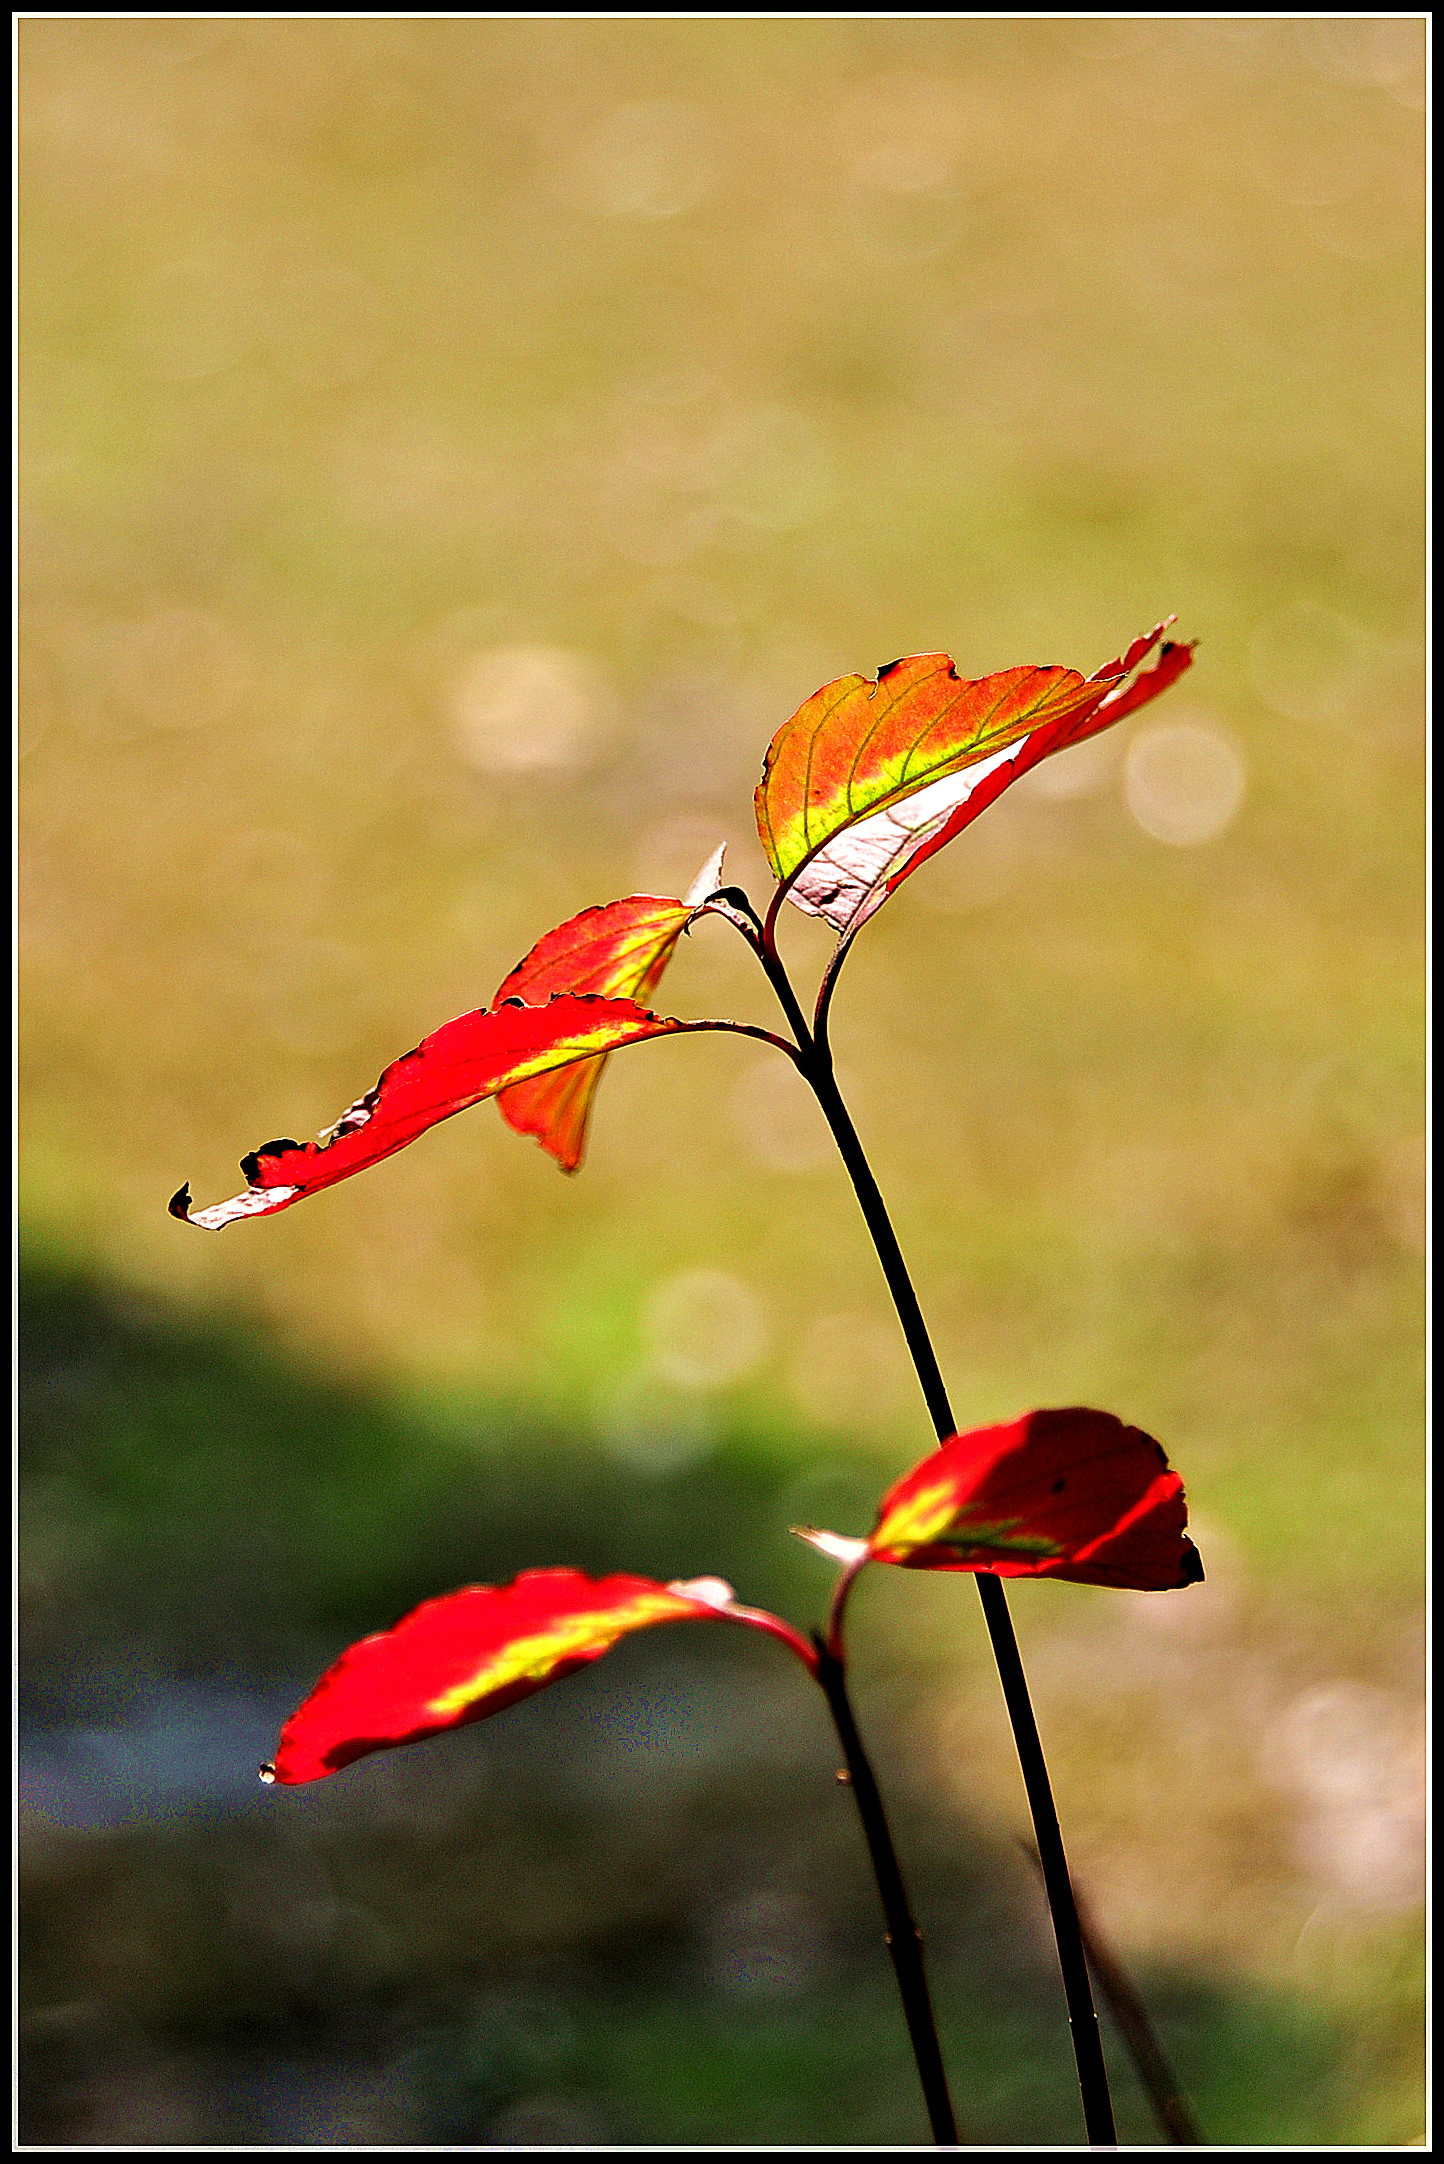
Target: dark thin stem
x,y
1082,2018
1165,2092
781,984
904,1940
889,1254
825,991
747,1029
815,1064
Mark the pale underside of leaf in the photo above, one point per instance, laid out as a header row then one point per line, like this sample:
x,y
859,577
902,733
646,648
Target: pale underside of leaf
x,y
852,876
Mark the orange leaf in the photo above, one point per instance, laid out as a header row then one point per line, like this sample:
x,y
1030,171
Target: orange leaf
x,y
873,775
618,951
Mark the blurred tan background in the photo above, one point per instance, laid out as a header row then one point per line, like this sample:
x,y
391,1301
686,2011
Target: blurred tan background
x,y
449,450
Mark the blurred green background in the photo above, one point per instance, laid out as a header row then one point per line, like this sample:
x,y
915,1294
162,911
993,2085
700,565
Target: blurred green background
x,y
449,450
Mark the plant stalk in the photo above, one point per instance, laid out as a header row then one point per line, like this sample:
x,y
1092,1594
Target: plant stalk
x,y
1082,2016
904,1940
1165,2092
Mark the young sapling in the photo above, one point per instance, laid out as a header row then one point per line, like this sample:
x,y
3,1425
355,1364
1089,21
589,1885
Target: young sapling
x,y
869,779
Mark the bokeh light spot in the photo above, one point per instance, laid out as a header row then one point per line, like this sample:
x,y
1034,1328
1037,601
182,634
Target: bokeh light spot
x,y
651,159
1355,1757
654,1426
703,1329
1183,783
850,1371
527,709
1307,662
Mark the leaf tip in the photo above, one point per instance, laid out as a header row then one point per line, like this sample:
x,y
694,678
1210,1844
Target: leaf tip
x,y
708,880
838,1546
1191,1564
180,1202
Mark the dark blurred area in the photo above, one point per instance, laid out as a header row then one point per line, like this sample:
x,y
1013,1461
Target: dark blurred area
x,y
635,1909
448,450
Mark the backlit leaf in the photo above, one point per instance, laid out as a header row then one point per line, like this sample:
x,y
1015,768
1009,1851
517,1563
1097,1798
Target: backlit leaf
x,y
473,1057
471,1653
872,776
618,951
1069,1494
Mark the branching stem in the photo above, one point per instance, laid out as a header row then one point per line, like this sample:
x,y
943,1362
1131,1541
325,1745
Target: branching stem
x,y
815,1065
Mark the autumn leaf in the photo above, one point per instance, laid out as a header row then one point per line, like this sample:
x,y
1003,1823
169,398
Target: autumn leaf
x,y
473,1057
1069,1494
873,775
618,951
471,1653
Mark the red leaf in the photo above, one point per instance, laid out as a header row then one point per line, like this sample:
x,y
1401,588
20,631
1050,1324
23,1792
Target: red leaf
x,y
471,1653
473,1057
618,951
872,776
1069,1494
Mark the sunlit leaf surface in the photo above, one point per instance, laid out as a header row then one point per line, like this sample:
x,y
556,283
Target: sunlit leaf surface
x,y
471,1653
872,776
618,951
475,1056
1068,1494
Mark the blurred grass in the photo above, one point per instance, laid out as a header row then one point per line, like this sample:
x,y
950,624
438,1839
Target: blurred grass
x,y
670,369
